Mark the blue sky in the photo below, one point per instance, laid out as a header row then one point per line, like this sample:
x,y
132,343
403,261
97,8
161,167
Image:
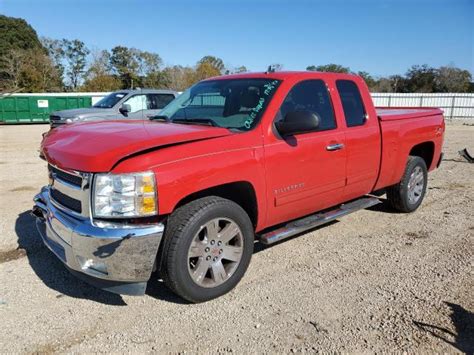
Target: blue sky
x,y
381,37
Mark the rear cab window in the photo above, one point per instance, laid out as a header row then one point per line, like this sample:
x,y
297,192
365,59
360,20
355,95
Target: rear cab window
x,y
313,96
354,110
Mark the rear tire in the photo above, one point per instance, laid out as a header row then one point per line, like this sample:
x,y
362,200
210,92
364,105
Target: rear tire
x,y
407,195
207,248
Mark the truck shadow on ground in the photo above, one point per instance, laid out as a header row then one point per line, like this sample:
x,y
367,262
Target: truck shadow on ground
x,y
463,321
383,207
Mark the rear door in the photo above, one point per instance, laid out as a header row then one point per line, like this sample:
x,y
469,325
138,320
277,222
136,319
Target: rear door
x,y
305,172
363,142
156,102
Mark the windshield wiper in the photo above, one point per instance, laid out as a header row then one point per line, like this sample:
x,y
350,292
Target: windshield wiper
x,y
200,121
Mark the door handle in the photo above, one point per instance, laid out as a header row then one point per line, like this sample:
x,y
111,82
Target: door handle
x,y
335,146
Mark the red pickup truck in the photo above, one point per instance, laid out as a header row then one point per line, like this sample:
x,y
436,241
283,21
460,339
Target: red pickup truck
x,y
232,160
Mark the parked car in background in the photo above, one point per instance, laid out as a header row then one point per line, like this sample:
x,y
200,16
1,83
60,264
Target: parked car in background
x,y
123,104
236,158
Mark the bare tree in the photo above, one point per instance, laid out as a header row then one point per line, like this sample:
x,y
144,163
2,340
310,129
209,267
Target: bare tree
x,y
12,66
452,79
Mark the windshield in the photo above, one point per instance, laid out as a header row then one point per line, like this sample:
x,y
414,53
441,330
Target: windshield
x,y
110,100
228,103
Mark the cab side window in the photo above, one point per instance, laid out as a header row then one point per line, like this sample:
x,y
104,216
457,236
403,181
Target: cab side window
x,y
312,96
352,104
137,103
158,101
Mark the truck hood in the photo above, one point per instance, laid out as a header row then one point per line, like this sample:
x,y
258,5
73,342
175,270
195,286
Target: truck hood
x,y
83,112
98,146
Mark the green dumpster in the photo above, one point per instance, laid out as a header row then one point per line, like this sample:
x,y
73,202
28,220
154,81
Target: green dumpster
x,y
35,108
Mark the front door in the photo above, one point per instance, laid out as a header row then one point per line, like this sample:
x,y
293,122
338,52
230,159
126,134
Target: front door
x,y
138,105
306,172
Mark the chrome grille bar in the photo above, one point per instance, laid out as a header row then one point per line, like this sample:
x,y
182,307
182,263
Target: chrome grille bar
x,y
74,190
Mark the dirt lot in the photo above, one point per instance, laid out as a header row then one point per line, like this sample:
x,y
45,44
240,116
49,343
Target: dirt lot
x,y
374,281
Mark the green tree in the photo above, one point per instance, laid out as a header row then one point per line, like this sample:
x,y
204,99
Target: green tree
x,y
147,62
149,69
420,78
369,80
156,80
16,33
383,85
17,37
205,70
126,65
75,55
333,68
102,83
215,62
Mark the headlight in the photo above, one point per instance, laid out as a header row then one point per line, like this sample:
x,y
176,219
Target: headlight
x,y
124,195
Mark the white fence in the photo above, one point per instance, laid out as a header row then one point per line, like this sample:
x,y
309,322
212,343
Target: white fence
x,y
455,106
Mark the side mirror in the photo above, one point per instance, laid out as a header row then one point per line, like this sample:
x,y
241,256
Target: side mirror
x,y
125,109
298,122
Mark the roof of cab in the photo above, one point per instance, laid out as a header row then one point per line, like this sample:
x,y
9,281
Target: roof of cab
x,y
282,75
147,91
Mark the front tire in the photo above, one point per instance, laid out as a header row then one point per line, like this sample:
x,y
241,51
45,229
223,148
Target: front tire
x,y
207,248
407,195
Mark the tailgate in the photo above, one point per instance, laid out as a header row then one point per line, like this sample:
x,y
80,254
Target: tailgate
x,y
401,113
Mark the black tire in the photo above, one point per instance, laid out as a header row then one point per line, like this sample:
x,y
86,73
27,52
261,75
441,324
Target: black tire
x,y
398,195
182,228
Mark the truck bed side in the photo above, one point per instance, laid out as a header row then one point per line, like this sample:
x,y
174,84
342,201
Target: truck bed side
x,y
407,131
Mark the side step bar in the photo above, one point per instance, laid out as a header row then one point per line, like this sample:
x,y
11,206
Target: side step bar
x,y
315,220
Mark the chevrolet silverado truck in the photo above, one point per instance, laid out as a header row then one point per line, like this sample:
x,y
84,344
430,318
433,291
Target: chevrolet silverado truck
x,y
233,160
123,104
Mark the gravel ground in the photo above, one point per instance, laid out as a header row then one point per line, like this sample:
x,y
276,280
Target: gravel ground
x,y
374,281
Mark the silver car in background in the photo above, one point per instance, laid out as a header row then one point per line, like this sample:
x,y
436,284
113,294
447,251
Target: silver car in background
x,y
123,104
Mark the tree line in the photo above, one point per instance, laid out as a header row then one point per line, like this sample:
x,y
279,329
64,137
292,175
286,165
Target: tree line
x,y
32,64
418,78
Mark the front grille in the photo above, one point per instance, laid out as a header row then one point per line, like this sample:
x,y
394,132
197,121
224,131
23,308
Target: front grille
x,y
66,201
69,178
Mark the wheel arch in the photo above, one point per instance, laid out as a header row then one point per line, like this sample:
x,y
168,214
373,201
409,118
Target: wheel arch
x,y
241,192
424,150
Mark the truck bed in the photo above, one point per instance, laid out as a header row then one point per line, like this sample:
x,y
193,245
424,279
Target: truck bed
x,y
402,129
401,113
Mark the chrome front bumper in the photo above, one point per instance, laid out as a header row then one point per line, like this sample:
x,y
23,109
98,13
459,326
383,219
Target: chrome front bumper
x,y
117,258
